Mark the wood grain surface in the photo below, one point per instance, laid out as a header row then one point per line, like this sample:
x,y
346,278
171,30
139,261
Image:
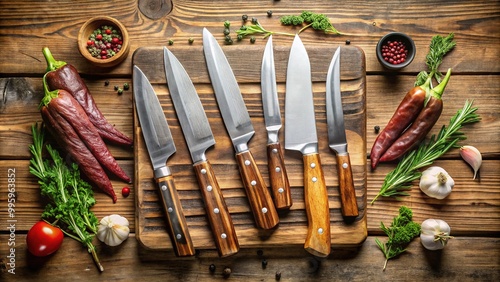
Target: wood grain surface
x,y
292,228
472,209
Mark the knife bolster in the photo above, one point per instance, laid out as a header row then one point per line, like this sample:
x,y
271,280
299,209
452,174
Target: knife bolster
x,y
162,172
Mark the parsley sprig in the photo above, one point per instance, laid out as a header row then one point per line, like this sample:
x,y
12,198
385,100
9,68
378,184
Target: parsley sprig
x,y
401,232
398,181
70,197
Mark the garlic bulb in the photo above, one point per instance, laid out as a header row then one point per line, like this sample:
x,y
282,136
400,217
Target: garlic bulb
x,y
435,182
472,156
113,230
435,234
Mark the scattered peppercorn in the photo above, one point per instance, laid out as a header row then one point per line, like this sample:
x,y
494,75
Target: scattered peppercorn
x,y
120,91
252,39
394,52
126,86
244,18
170,42
278,276
227,31
347,42
125,191
227,24
264,263
106,83
116,87
269,13
377,128
260,253
212,268
254,20
191,40
228,39
226,272
239,37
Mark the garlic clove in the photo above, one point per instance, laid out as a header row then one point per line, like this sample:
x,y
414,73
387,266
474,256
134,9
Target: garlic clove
x,y
473,157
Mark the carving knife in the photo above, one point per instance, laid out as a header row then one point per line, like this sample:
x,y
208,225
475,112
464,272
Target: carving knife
x,y
300,135
280,186
337,138
160,145
240,130
199,138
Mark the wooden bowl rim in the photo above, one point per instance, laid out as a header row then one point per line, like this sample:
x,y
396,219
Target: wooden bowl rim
x,y
94,23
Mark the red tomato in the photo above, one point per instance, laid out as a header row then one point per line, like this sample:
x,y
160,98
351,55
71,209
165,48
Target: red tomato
x,y
44,239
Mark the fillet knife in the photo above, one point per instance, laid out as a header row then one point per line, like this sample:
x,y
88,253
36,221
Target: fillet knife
x,y
199,138
337,138
240,129
160,146
300,135
280,187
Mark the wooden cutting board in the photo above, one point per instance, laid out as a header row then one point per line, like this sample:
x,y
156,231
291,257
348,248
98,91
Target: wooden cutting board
x,y
246,63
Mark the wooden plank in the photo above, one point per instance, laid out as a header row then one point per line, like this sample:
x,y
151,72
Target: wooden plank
x,y
293,225
458,262
473,22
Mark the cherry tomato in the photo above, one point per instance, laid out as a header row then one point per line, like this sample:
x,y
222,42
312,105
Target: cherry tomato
x,y
44,239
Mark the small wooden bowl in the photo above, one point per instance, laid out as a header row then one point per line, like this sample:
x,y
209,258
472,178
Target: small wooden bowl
x,y
86,30
396,36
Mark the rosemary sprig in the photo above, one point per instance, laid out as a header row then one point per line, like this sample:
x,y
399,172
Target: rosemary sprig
x,y
398,181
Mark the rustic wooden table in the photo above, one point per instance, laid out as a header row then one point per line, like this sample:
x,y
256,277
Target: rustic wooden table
x,y
472,209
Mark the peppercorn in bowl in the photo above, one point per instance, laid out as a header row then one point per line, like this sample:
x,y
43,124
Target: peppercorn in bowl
x,y
395,50
103,41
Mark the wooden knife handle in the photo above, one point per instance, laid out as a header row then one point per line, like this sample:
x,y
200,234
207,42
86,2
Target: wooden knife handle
x,y
280,187
346,186
177,225
318,240
263,209
217,212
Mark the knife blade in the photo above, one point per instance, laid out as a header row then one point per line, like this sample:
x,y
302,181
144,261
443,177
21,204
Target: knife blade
x,y
337,138
239,127
199,138
160,146
280,186
300,135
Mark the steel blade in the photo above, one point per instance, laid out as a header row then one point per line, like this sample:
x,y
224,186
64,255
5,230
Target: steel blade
x,y
300,122
334,112
154,126
190,112
270,102
227,93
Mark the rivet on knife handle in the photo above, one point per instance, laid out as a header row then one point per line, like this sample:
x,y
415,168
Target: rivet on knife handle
x,y
263,209
217,212
280,186
346,186
318,240
178,228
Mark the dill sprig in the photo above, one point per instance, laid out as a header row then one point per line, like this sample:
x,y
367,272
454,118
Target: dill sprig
x,y
398,181
439,47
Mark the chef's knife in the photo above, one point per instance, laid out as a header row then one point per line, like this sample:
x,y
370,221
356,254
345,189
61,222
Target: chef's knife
x,y
199,138
280,186
160,145
300,135
337,138
240,129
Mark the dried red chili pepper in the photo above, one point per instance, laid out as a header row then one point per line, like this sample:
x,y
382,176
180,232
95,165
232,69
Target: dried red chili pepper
x,y
64,106
422,124
61,75
405,114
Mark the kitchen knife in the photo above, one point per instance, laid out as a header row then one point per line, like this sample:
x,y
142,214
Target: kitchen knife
x,y
280,186
160,147
300,135
199,138
337,138
240,130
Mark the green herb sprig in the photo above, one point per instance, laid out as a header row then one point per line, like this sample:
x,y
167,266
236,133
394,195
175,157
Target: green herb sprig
x,y
438,48
401,232
398,181
70,197
257,28
315,20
